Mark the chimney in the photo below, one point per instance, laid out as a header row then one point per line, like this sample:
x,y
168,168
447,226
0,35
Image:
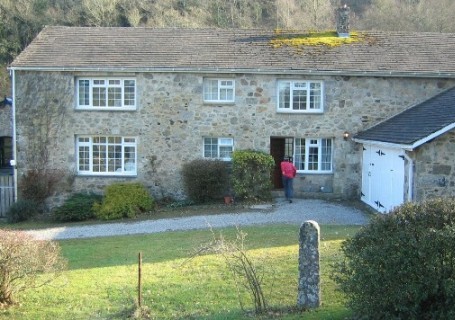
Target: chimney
x,y
342,17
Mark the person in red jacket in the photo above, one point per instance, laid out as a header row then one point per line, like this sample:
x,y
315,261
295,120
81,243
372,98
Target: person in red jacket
x,y
288,171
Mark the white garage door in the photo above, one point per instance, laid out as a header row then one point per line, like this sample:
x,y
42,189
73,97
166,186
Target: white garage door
x,y
383,177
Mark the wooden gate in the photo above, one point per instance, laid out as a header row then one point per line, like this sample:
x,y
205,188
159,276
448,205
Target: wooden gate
x,y
6,193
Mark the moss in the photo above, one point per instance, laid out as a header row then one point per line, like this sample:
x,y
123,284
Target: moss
x,y
313,39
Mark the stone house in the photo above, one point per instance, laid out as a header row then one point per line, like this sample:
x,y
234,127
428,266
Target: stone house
x,y
134,104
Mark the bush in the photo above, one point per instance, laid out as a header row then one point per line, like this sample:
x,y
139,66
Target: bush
x,y
78,207
252,174
205,180
22,210
38,185
123,200
402,265
25,264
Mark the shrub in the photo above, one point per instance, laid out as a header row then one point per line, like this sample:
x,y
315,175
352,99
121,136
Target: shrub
x,y
78,207
38,185
252,174
22,210
205,180
402,265
22,260
123,200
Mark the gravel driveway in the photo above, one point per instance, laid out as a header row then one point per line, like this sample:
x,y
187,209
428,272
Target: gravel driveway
x,y
297,212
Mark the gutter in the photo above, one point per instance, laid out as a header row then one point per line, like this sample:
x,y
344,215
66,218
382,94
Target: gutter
x,y
275,71
406,147
13,111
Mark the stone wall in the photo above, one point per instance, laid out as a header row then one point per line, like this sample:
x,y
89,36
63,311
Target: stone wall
x,y
434,168
171,121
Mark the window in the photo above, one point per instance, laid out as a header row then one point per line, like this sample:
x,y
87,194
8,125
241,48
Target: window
x,y
6,151
218,148
219,90
300,96
313,155
106,155
106,93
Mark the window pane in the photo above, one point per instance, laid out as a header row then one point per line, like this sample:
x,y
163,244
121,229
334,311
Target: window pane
x,y
315,96
130,159
210,147
99,97
326,155
299,99
84,92
129,92
114,97
114,158
84,158
313,153
299,160
226,152
284,93
99,158
211,89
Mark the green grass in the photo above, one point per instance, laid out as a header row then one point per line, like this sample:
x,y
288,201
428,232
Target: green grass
x,y
101,282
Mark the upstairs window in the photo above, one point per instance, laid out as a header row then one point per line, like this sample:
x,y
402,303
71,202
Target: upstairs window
x,y
106,93
313,155
219,90
300,96
218,148
104,155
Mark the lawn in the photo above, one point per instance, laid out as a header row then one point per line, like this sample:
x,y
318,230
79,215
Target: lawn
x,y
101,280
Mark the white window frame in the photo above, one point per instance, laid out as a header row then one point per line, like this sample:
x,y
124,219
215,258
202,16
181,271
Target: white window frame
x,y
313,147
221,87
220,144
111,163
313,98
125,99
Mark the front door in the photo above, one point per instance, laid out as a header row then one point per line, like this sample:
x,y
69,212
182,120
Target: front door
x,y
280,148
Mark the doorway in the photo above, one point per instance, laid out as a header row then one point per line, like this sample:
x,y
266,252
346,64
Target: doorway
x,y
280,148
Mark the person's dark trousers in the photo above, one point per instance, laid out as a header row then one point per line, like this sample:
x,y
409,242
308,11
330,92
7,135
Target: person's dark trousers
x,y
287,184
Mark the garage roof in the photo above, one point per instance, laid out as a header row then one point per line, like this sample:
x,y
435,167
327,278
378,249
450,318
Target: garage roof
x,y
416,125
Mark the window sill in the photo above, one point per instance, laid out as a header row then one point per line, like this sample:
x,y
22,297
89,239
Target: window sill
x,y
105,109
315,172
219,103
300,112
109,174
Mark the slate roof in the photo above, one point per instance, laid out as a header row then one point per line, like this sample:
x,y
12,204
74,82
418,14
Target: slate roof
x,y
416,125
235,50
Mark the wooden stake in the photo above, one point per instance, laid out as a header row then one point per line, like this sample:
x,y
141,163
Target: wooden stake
x,y
139,281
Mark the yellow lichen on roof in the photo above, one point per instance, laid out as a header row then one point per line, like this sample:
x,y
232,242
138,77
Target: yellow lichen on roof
x,y
325,38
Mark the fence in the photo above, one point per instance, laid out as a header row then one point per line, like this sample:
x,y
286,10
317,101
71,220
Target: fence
x,y
6,193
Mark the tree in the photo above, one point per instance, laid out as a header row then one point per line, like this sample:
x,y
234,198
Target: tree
x,y
101,13
410,15
26,263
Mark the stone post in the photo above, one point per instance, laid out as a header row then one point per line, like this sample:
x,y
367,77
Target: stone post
x,y
309,278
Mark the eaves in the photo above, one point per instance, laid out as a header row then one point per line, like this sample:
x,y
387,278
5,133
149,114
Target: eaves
x,y
214,70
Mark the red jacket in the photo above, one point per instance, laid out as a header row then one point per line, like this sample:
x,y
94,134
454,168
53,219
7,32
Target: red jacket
x,y
288,169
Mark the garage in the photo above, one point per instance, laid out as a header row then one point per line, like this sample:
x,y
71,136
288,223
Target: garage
x,y
410,156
